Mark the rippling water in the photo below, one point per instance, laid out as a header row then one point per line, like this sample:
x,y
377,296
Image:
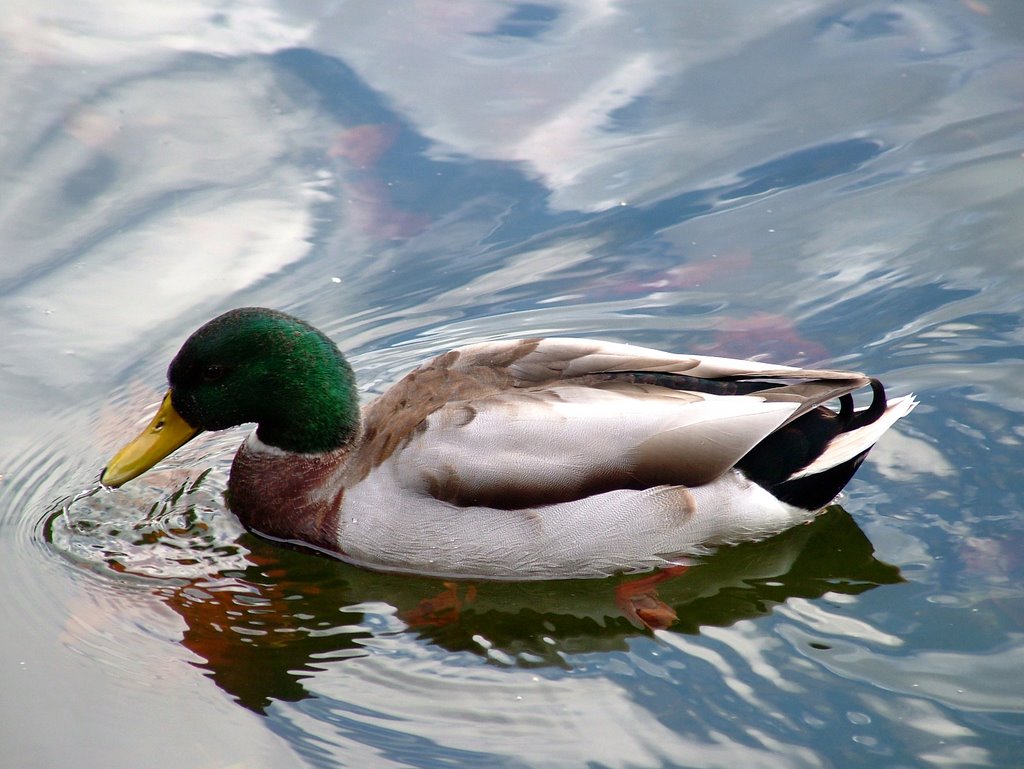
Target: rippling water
x,y
809,183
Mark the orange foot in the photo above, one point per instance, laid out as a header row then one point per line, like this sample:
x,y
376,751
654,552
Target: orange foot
x,y
639,603
442,609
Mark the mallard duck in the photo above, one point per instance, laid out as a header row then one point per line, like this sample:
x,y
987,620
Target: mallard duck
x,y
511,459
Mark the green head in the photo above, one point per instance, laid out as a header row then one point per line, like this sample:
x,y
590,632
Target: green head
x,y
263,366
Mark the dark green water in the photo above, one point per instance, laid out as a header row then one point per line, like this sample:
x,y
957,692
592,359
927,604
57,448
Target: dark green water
x,y
835,183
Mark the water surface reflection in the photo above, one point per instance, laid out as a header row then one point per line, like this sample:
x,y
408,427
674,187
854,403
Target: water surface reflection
x,y
251,605
804,182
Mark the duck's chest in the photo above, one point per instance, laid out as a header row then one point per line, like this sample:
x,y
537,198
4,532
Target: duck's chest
x,y
294,497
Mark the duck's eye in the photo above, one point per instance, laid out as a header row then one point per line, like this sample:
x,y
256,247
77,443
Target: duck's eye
x,y
214,372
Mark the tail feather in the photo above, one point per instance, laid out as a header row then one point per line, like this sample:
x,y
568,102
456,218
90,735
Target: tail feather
x,y
808,461
856,441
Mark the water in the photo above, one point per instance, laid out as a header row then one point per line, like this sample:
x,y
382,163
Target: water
x,y
809,183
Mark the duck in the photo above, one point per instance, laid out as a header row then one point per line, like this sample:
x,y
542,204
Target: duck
x,y
512,459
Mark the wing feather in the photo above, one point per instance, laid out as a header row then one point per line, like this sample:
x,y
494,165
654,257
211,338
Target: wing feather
x,y
515,424
568,357
534,447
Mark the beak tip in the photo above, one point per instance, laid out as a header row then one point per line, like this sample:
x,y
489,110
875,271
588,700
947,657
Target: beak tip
x,y
166,432
113,483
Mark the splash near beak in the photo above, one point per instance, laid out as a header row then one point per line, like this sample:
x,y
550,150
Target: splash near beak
x,y
166,432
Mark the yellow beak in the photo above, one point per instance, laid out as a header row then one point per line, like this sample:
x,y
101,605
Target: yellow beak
x,y
166,432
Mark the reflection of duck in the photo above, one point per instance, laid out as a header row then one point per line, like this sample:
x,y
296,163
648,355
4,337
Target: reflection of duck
x,y
513,459
281,615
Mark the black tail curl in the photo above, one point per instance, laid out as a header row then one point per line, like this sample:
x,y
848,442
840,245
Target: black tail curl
x,y
797,444
872,413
